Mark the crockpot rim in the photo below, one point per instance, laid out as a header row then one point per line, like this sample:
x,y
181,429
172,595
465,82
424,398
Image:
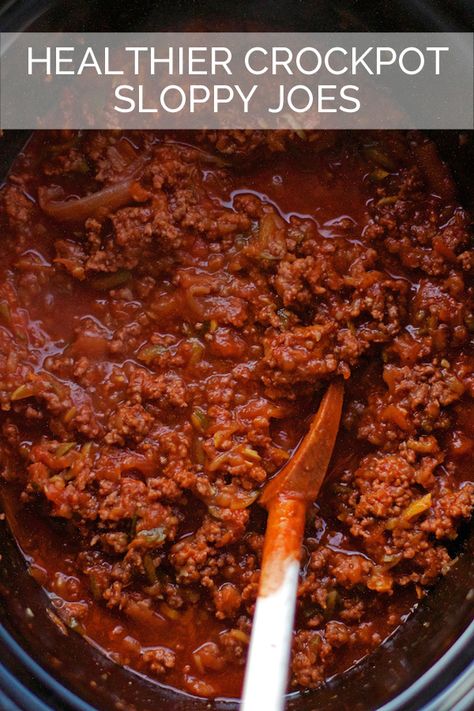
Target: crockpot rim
x,y
40,674
401,701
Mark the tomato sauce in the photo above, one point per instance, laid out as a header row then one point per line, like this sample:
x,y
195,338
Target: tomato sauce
x,y
163,347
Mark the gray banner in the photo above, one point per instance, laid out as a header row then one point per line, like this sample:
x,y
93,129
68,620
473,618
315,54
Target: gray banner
x,y
236,80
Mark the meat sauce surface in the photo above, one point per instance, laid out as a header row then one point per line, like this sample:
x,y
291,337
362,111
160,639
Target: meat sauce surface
x,y
172,308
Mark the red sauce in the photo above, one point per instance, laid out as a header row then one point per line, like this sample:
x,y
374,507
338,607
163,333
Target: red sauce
x,y
171,353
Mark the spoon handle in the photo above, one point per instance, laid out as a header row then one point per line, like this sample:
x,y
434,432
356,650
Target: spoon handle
x,y
266,675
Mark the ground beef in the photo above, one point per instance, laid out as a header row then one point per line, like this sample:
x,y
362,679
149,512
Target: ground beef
x,y
159,362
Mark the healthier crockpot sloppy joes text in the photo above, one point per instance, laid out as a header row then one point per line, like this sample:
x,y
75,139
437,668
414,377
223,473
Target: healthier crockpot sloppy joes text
x,y
172,308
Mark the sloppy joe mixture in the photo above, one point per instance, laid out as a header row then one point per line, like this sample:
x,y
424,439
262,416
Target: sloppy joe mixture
x,y
172,308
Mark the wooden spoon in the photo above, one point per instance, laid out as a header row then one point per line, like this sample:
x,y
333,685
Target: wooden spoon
x,y
286,497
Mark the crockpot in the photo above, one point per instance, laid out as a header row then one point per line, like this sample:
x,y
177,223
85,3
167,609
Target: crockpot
x,y
427,664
